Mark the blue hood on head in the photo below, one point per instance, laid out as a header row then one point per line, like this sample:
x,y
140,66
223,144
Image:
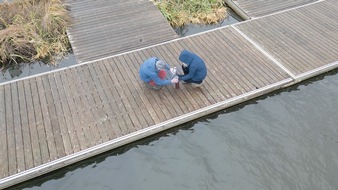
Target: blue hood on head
x,y
186,57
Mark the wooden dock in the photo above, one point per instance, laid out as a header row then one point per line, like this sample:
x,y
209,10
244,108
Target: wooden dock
x,y
253,9
108,27
58,118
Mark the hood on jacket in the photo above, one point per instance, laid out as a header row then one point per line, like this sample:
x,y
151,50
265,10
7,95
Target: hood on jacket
x,y
186,57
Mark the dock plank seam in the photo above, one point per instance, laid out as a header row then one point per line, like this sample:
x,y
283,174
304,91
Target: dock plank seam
x,y
265,53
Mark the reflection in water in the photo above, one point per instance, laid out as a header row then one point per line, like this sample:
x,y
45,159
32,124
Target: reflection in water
x,y
284,140
24,69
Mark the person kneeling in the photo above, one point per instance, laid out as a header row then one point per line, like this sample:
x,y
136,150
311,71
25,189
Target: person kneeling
x,y
193,67
154,73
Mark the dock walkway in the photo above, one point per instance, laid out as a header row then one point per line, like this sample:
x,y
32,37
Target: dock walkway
x,y
254,9
58,118
108,27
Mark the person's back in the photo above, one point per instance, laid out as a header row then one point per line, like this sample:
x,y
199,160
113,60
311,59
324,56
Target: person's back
x,y
148,69
153,73
196,67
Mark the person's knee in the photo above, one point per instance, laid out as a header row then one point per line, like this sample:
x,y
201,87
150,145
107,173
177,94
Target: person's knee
x,y
153,86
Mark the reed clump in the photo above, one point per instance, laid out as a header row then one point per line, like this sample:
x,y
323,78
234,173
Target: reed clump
x,y
32,30
182,12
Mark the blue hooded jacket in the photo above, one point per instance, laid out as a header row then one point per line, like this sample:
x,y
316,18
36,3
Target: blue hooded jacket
x,y
196,66
149,72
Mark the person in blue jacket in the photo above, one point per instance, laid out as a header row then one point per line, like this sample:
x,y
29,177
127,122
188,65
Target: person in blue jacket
x,y
154,72
193,67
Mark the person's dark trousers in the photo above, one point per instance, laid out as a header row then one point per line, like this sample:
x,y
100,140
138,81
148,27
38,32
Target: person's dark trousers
x,y
192,81
186,71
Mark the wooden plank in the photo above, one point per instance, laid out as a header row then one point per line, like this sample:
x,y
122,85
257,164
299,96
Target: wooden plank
x,y
124,91
304,61
175,95
69,129
94,40
86,119
127,70
276,49
178,47
123,118
74,110
48,127
86,6
220,71
297,43
180,95
217,91
144,95
241,51
165,94
267,68
152,96
3,135
239,79
91,108
271,67
261,8
215,83
128,88
159,95
39,122
60,115
322,46
184,88
327,15
272,8
238,71
11,146
204,97
252,66
90,15
140,91
54,129
34,138
100,116
19,147
110,98
27,145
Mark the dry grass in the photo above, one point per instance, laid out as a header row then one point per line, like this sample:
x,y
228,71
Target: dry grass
x,y
32,30
182,12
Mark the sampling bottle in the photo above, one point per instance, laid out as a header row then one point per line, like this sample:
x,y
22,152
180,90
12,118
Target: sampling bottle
x,y
177,85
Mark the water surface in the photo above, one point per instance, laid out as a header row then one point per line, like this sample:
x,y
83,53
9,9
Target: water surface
x,y
284,140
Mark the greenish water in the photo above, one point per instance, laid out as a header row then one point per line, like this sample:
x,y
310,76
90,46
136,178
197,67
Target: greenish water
x,y
284,140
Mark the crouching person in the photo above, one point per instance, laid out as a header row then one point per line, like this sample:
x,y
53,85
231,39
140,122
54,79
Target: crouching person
x,y
193,67
154,73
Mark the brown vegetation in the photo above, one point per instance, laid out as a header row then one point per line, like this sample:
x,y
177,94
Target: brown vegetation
x,y
31,30
182,12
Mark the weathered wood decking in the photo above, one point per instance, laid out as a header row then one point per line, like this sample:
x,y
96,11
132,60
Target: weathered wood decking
x,y
254,9
108,27
53,120
300,40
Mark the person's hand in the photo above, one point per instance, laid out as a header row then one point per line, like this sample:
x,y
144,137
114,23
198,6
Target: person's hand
x,y
173,71
174,80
